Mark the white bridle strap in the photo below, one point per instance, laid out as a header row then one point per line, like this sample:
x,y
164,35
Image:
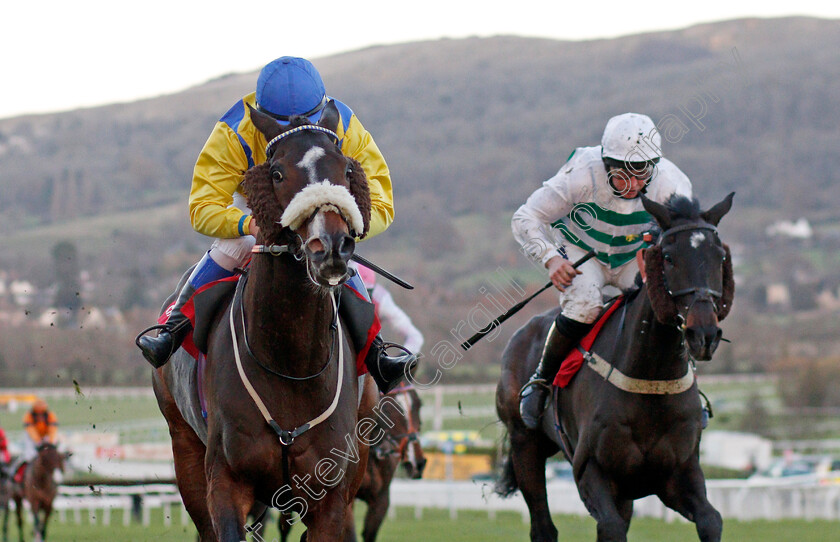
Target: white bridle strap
x,y
305,127
291,435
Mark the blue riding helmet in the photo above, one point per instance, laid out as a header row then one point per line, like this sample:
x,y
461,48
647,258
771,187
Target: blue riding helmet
x,y
290,86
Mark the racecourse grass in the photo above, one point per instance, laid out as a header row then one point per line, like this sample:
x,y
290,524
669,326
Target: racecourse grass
x,y
436,525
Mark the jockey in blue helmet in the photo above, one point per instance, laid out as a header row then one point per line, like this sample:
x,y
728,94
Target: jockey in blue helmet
x,y
286,87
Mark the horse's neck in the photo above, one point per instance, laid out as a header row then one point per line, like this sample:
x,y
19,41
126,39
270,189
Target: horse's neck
x,y
285,314
647,348
41,472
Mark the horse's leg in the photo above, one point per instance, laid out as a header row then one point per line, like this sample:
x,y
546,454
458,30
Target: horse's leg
x,y
327,523
19,513
6,523
375,515
229,500
597,494
349,525
527,455
686,494
283,525
36,523
47,514
188,456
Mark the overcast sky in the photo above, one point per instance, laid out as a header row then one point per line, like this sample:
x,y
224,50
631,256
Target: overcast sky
x,y
60,55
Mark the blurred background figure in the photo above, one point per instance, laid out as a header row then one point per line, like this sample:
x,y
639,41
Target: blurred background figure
x,y
41,426
389,312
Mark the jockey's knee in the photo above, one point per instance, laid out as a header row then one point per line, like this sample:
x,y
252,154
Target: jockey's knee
x,y
232,253
584,309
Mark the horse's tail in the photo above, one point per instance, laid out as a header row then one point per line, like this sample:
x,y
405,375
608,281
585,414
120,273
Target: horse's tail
x,y
506,484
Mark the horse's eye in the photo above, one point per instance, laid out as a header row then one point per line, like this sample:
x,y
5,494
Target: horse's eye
x,y
276,176
668,258
349,172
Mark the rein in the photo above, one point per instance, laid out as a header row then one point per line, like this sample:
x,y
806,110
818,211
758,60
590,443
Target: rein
x,y
287,437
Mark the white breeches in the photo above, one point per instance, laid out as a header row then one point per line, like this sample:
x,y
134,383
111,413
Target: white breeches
x,y
233,253
583,300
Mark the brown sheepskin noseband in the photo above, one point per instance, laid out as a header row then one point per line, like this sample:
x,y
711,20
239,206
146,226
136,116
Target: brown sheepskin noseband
x,y
267,211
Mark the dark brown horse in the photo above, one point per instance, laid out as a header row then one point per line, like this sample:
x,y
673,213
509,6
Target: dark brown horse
x,y
400,445
280,381
630,420
39,488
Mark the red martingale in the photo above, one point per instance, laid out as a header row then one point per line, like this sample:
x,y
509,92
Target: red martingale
x,y
574,361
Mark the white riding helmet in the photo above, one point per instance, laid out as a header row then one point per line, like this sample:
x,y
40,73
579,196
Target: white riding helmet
x,y
631,137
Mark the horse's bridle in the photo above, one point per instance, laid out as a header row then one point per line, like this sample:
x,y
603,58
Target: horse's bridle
x,y
701,294
401,441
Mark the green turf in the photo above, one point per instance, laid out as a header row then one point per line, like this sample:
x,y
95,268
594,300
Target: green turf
x,y
468,527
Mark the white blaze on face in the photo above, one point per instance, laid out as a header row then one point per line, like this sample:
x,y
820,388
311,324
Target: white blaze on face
x,y
308,163
697,238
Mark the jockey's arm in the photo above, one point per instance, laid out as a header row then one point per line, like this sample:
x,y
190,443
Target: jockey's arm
x,y
52,434
532,222
359,144
33,433
218,172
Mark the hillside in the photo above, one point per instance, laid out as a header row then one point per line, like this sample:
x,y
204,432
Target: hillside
x,y
744,105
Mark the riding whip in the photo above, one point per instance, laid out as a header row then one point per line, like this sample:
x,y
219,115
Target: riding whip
x,y
379,271
466,345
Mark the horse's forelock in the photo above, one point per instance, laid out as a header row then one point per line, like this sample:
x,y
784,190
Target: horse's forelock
x,y
683,208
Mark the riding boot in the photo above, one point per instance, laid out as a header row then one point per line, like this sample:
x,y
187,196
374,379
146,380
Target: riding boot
x,y
562,337
388,371
158,350
359,314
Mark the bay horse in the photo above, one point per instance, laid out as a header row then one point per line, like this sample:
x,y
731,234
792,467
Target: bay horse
x,y
399,446
39,488
279,381
635,431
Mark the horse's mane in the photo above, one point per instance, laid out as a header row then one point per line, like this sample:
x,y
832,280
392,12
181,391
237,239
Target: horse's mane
x,y
267,211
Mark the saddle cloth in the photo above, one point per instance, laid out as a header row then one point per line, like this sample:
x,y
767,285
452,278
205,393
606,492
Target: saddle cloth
x,y
574,361
203,306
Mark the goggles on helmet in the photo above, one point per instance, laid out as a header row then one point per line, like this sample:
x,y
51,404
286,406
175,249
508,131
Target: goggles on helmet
x,y
644,171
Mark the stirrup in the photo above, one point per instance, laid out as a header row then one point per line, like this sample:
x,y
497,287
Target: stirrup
x,y
147,330
538,382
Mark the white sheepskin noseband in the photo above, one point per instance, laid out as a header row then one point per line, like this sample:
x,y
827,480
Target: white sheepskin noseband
x,y
322,195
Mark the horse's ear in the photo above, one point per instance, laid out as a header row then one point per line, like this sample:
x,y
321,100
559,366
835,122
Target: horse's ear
x,y
713,215
659,212
329,117
265,124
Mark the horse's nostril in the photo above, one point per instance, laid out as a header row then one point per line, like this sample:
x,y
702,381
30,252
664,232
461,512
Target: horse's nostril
x,y
315,246
346,246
